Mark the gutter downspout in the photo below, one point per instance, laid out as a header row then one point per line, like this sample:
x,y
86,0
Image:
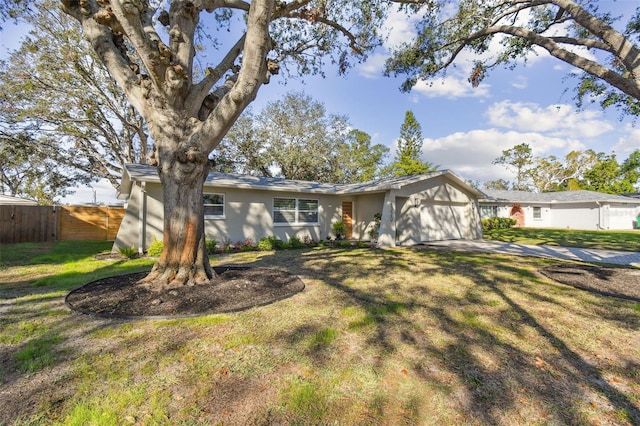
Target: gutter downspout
x,y
142,219
599,224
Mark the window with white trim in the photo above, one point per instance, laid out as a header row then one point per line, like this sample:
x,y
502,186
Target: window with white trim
x,y
537,212
488,211
213,206
291,211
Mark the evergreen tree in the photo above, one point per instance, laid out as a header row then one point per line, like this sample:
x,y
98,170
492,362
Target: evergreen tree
x,y
407,160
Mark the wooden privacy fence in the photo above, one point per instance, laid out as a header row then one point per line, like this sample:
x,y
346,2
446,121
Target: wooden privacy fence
x,y
22,224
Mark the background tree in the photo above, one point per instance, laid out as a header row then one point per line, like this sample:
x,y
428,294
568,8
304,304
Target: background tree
x,y
32,169
190,105
519,159
611,71
407,160
500,184
56,84
358,160
606,176
242,151
631,168
296,138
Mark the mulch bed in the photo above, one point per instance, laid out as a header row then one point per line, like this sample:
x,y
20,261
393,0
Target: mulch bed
x,y
617,282
236,288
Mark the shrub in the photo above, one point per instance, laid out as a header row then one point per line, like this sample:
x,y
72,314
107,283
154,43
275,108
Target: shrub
x,y
129,252
295,242
270,243
497,223
212,246
339,229
155,248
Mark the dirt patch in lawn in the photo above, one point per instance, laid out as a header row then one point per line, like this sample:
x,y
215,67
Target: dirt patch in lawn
x,y
235,288
617,282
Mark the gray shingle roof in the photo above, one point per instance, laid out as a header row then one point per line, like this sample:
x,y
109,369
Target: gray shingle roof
x,y
553,197
146,173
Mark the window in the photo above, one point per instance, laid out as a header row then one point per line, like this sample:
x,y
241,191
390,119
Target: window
x,y
488,211
295,211
537,212
213,205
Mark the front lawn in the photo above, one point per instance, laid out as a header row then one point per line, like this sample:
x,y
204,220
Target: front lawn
x,y
609,240
377,337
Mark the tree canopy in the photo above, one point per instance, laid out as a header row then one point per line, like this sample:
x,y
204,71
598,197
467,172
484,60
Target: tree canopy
x,y
55,85
296,138
586,170
519,158
565,29
33,169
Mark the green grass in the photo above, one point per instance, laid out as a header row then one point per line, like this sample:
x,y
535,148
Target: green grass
x,y
610,240
37,354
377,337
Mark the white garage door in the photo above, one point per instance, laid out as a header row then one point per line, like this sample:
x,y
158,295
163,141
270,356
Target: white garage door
x,y
443,221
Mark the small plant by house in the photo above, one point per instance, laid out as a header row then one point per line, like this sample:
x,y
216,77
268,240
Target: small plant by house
x,y
128,252
155,248
270,243
339,229
212,246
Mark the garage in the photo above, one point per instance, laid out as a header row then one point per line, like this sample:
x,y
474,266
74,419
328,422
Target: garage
x,y
443,220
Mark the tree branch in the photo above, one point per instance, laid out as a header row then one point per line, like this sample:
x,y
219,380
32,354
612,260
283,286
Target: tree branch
x,y
200,91
252,75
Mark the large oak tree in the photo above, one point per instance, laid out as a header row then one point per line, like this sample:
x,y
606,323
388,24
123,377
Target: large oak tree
x,y
581,33
188,107
54,88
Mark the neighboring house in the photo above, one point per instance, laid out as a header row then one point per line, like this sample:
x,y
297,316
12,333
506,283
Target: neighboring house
x,y
586,210
413,209
9,199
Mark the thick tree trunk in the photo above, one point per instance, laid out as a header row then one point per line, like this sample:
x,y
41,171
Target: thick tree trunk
x,y
184,259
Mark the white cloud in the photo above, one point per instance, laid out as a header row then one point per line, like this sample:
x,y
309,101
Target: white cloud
x,y
401,27
628,143
374,66
470,154
520,82
451,87
557,120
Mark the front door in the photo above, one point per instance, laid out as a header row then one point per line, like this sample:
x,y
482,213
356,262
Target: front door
x,y
347,218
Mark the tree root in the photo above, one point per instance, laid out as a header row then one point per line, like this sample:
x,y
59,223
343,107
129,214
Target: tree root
x,y
163,278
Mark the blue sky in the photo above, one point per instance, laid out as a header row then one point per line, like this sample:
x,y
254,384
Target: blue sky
x,y
464,128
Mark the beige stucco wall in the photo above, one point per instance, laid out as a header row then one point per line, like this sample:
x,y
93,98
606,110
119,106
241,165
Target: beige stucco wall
x,y
248,214
364,209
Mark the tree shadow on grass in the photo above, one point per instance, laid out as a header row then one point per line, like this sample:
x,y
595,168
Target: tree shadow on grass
x,y
499,349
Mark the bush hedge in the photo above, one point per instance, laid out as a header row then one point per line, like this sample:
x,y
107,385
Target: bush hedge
x,y
497,223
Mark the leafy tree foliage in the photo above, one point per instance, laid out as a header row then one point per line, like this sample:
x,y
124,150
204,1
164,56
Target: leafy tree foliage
x,y
296,138
580,170
500,184
32,169
407,160
55,85
520,159
561,27
606,176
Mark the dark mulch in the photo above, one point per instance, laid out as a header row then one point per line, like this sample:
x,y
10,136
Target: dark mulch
x,y
617,282
235,289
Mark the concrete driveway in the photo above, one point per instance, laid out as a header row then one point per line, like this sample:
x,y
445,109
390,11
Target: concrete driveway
x,y
566,253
